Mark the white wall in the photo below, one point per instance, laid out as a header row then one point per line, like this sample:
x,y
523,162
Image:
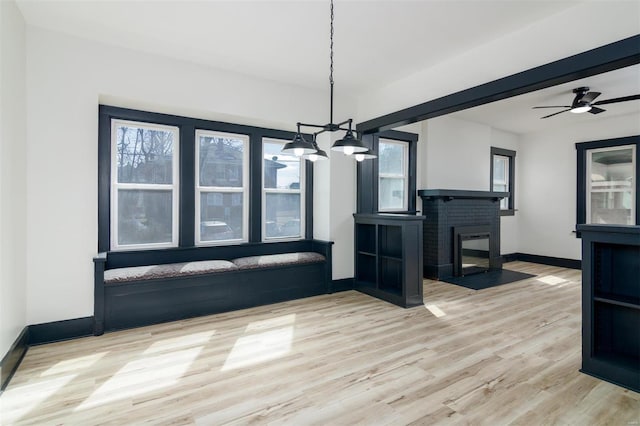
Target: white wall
x,y
66,78
334,204
456,154
547,184
541,42
12,175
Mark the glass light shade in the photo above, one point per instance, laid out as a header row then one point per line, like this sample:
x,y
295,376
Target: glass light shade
x,y
315,156
367,155
298,146
580,109
349,144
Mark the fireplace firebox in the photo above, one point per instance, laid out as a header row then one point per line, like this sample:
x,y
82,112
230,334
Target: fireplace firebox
x,y
472,250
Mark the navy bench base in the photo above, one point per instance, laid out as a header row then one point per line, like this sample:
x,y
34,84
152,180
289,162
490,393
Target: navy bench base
x,y
134,304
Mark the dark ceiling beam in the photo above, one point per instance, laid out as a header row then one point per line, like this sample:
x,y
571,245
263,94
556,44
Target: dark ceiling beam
x,y
603,59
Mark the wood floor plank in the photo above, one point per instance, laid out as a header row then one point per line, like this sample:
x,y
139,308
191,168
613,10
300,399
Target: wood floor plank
x,y
503,355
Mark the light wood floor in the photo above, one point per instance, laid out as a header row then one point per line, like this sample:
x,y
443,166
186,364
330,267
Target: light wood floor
x,y
506,355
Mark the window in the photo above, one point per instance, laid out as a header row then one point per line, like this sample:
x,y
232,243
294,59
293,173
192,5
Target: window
x,y
283,203
144,185
393,175
170,181
388,183
611,185
607,175
503,177
222,182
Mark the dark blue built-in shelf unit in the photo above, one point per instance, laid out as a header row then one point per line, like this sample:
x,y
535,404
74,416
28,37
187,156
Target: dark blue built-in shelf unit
x,y
611,303
388,257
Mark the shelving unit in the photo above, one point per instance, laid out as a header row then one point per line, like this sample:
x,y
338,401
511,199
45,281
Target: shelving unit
x,y
611,303
388,257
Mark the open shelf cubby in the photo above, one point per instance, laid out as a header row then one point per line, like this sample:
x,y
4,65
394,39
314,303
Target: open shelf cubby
x,y
388,257
366,238
611,303
391,274
616,272
390,238
615,334
366,271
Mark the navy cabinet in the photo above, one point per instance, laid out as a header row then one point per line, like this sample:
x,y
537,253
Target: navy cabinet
x,y
388,257
611,303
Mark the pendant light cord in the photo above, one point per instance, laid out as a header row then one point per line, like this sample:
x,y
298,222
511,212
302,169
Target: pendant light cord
x,y
331,67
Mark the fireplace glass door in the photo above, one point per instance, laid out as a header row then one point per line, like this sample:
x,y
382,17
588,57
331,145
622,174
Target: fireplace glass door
x,y
474,253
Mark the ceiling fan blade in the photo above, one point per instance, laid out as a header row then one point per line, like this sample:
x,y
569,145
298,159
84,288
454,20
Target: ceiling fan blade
x,y
553,106
616,100
556,113
596,110
590,97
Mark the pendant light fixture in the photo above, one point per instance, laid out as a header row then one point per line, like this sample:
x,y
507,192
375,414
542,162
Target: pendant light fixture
x,y
348,145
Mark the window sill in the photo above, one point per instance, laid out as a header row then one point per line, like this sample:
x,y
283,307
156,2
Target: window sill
x,y
509,212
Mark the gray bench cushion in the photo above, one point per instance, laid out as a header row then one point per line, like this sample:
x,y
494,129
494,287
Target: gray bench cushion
x,y
254,262
140,273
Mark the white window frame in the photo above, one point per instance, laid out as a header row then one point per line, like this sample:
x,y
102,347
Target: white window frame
x,y
588,187
504,203
266,191
244,189
404,175
115,185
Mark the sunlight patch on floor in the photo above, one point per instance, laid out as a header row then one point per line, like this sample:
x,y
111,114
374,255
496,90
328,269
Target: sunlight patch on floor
x,y
72,364
274,342
437,312
141,376
193,339
551,280
33,393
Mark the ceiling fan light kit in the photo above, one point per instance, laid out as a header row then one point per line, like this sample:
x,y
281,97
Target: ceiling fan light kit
x,y
580,109
350,144
583,102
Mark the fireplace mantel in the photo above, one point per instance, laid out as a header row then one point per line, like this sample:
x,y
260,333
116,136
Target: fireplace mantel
x,y
452,194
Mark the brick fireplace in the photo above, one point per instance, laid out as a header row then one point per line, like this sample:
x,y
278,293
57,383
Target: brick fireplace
x,y
461,232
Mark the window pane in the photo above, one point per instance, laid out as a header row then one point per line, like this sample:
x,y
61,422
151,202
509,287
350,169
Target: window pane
x,y
500,173
391,158
504,203
391,194
281,170
611,183
220,216
144,155
611,208
282,215
144,217
221,161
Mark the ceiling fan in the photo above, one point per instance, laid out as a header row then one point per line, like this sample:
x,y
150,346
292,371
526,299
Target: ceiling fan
x,y
583,102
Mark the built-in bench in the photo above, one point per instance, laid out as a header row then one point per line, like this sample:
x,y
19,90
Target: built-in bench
x,y
136,288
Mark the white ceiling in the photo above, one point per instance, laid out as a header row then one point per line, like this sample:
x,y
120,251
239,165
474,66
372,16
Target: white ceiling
x,y
516,114
376,42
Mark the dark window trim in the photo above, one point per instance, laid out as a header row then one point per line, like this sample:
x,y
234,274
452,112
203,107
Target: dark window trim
x,y
187,128
367,172
511,210
602,59
581,170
